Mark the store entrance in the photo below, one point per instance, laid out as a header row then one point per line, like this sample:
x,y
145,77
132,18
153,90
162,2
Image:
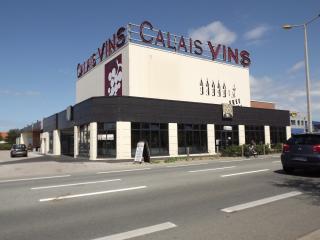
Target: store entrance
x,y
67,142
225,139
226,136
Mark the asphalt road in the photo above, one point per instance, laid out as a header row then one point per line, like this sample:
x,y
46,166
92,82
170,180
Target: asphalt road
x,y
251,199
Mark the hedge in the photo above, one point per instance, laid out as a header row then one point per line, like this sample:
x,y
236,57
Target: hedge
x,y
5,146
238,151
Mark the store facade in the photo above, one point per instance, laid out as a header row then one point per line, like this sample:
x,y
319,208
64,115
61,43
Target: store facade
x,y
181,95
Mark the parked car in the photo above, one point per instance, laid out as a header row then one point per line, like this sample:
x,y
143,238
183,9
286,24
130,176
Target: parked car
x,y
19,150
301,151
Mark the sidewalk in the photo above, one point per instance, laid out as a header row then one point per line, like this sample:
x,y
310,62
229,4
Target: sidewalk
x,y
38,165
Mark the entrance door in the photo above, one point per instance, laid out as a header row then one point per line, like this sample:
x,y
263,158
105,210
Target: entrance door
x,y
67,142
226,139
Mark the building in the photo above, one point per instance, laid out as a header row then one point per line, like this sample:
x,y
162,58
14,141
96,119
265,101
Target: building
x,y
3,136
181,95
264,105
298,122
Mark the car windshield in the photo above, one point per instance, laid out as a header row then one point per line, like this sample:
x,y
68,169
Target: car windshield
x,y
19,146
306,139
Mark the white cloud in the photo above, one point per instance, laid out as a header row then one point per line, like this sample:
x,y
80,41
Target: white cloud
x,y
286,95
296,67
215,32
256,33
18,93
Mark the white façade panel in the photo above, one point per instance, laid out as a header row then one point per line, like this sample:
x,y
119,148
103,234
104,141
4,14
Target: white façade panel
x,y
156,73
92,84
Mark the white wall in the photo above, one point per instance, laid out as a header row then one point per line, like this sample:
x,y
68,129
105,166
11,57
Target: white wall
x,y
92,83
157,73
123,140
93,140
173,139
267,139
211,139
242,134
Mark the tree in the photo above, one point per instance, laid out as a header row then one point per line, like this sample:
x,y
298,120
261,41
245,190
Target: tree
x,y
12,135
1,138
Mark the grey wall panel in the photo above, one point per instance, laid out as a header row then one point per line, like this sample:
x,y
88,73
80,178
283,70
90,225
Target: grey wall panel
x,y
50,123
136,109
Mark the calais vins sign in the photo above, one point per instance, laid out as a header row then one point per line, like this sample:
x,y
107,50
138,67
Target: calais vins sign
x,y
162,39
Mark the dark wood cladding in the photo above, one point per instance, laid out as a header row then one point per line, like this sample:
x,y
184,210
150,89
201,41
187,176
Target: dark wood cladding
x,y
63,123
34,127
50,123
136,109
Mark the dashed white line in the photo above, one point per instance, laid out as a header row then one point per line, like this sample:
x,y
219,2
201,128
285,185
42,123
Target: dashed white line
x,y
241,173
74,184
241,160
276,161
127,170
91,194
30,179
186,165
260,202
210,169
139,232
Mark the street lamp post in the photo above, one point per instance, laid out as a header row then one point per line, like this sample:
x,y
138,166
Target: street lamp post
x,y
306,61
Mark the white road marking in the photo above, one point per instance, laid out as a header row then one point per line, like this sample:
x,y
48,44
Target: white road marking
x,y
127,170
139,232
311,236
260,202
241,173
241,160
186,165
90,194
74,184
276,161
210,169
30,179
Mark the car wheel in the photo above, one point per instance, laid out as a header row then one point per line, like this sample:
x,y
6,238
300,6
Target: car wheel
x,y
288,169
11,155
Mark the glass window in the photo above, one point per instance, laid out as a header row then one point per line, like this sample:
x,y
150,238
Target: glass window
x,y
50,142
107,140
225,138
277,135
255,133
156,134
293,122
194,137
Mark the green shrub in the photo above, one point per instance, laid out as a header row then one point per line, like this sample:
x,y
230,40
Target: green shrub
x,y
261,148
236,151
232,151
5,146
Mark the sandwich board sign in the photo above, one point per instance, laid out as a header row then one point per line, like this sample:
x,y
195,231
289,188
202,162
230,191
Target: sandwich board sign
x,y
139,152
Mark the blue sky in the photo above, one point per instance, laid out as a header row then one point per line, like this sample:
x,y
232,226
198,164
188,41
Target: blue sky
x,y
41,43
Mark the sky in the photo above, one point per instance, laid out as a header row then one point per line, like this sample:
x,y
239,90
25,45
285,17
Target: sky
x,y
41,43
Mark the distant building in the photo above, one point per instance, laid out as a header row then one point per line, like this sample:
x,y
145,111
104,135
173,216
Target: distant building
x,y
298,122
316,126
264,105
3,135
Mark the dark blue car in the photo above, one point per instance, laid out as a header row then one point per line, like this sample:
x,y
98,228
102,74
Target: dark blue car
x,y
301,151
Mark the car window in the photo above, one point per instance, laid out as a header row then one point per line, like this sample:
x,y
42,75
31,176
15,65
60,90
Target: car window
x,y
304,140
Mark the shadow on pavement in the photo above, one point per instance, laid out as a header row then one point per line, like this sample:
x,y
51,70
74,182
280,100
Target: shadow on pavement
x,y
62,159
307,182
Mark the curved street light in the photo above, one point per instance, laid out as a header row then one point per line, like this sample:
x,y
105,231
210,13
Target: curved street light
x,y
306,61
